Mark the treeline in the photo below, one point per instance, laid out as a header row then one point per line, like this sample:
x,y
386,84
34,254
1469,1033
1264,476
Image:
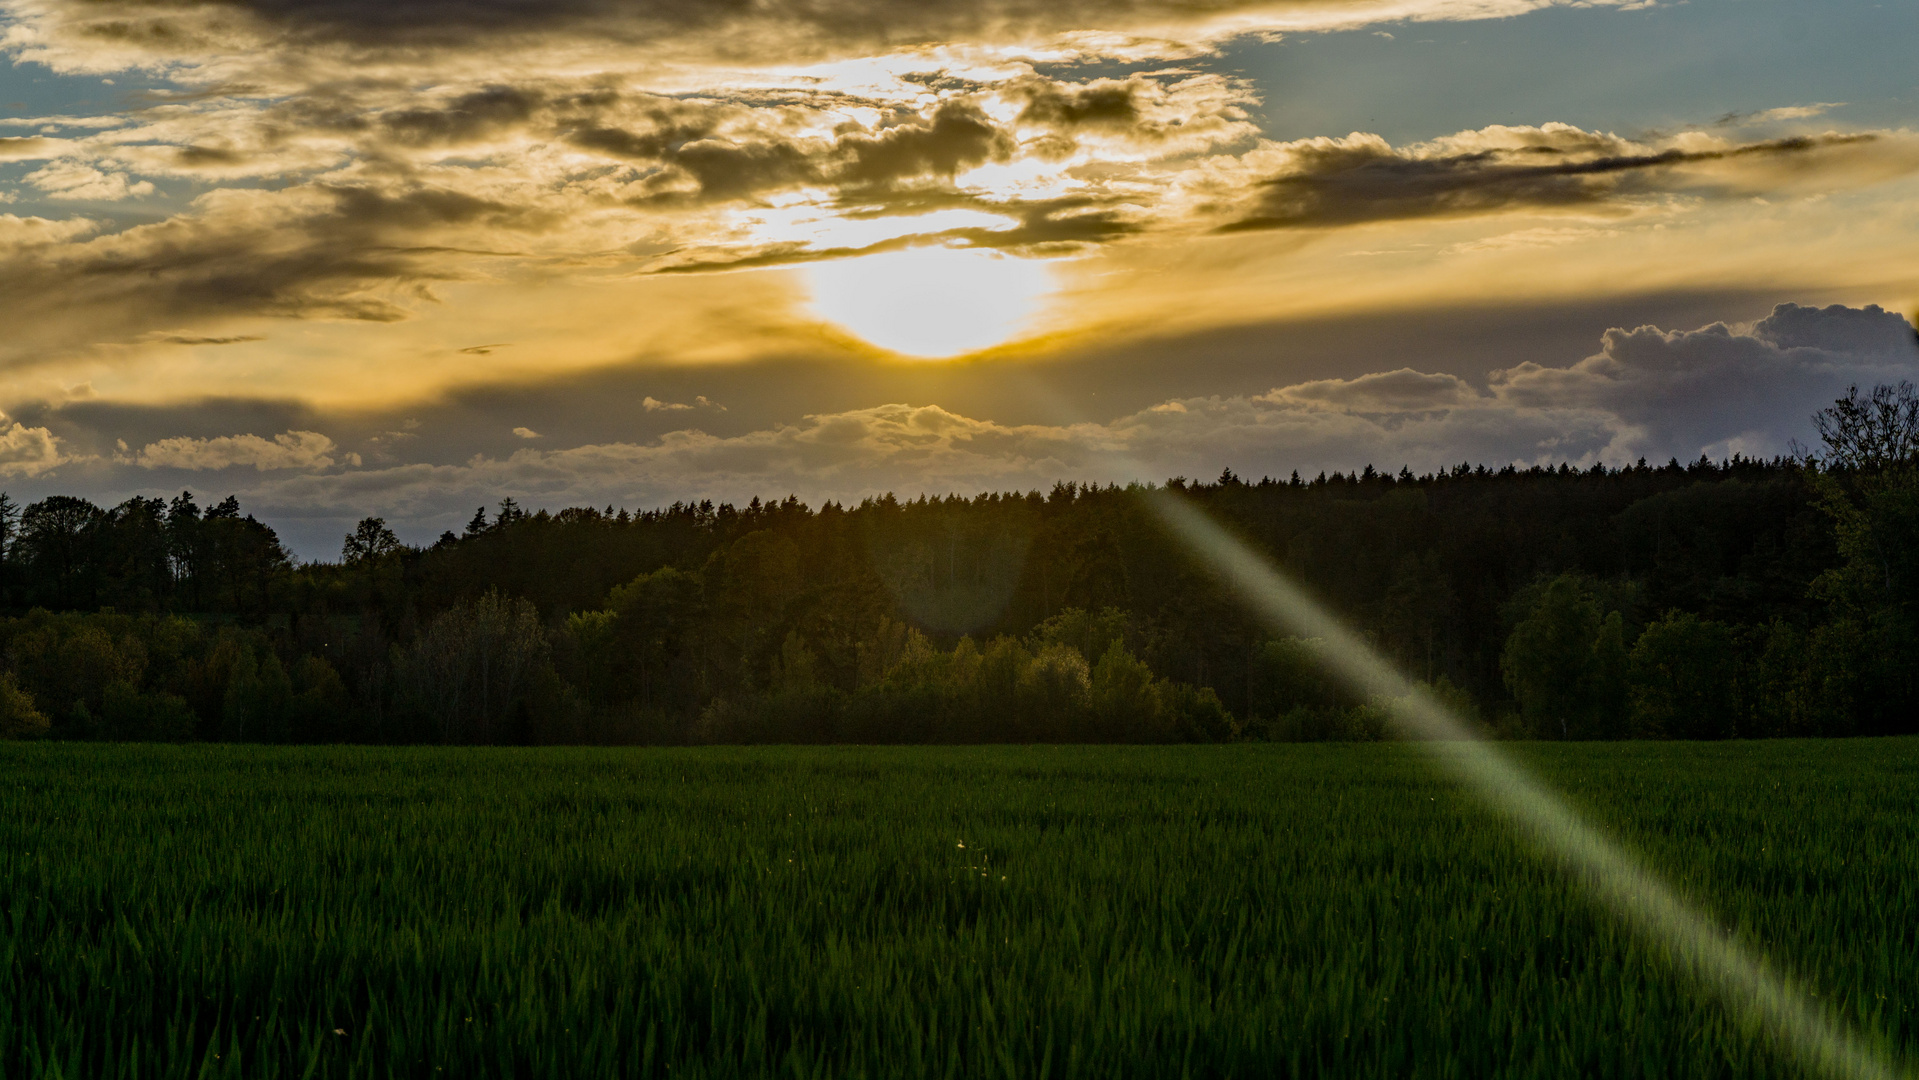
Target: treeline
x,y
1737,598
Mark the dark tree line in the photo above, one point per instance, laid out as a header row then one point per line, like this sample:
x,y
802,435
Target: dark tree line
x,y
1703,600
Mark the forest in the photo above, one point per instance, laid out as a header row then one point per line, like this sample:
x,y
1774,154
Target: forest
x,y
1737,598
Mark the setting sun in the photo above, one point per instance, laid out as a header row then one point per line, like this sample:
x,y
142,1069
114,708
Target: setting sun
x,y
931,302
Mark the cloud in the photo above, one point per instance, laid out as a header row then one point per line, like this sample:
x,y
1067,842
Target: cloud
x,y
292,450
71,180
26,148
104,35
1721,388
1399,391
357,252
21,235
357,162
1648,392
653,404
403,190
1361,178
529,433
189,339
28,451
1788,112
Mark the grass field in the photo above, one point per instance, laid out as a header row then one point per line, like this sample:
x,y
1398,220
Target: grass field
x,y
902,912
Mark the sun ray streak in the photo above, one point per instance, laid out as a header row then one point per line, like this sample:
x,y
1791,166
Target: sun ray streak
x,y
1752,987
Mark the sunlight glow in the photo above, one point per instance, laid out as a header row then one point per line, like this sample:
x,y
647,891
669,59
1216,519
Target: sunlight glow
x,y
1745,981
805,222
931,302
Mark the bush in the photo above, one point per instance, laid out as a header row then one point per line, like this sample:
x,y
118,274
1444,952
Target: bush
x,y
18,717
1125,701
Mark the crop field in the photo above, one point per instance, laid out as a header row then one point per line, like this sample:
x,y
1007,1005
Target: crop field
x,y
904,912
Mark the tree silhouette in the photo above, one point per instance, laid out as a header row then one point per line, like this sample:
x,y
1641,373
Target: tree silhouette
x,y
369,541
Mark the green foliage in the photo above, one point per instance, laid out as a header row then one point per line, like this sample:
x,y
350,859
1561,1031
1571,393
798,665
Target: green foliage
x,y
1088,633
903,912
1565,663
1124,699
1686,680
1055,684
19,719
794,670
1861,657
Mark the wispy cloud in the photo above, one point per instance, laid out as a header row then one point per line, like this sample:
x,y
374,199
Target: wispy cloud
x,y
1784,112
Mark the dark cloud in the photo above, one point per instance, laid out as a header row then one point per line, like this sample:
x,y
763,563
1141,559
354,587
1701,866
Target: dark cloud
x,y
1109,104
1332,182
12,149
181,339
660,127
1722,388
733,29
195,157
710,153
318,251
957,135
468,118
714,152
724,169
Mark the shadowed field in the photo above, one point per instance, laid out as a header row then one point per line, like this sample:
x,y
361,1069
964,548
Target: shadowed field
x,y
1009,912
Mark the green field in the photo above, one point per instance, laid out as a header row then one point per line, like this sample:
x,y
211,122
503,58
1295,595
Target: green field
x,y
1251,911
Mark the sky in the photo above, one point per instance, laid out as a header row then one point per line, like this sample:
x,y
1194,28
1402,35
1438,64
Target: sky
x,y
407,258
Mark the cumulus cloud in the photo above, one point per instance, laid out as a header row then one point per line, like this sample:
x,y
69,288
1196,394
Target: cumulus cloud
x,y
20,235
28,451
291,450
1721,389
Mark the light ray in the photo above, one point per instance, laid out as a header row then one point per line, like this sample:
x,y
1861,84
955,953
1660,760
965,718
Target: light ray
x,y
1747,983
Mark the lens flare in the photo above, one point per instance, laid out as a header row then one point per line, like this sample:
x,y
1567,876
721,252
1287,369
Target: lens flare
x,y
1628,888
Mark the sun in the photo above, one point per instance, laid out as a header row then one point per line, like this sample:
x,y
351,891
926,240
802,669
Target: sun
x,y
931,302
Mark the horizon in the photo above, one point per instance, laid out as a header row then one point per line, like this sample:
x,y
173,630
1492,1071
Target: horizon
x,y
791,501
